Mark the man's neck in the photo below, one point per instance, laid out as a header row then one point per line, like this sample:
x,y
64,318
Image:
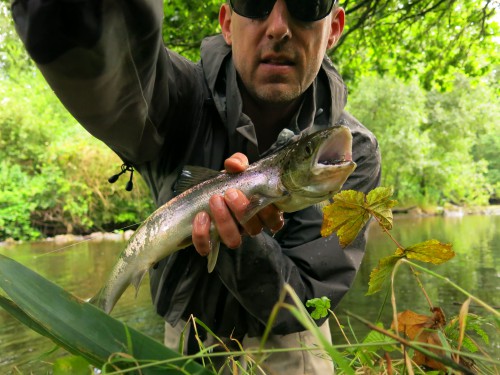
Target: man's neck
x,y
269,119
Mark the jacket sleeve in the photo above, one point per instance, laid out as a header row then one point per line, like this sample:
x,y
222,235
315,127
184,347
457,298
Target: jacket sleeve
x,y
106,62
298,255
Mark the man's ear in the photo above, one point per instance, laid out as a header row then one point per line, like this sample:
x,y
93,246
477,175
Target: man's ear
x,y
336,26
225,22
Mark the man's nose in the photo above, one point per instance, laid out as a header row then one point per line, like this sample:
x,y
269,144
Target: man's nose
x,y
279,22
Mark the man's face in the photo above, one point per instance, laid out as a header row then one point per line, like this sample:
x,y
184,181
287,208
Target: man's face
x,y
278,57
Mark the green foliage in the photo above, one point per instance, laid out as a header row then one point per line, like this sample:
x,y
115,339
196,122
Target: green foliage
x,y
428,40
320,307
473,326
16,204
74,365
431,142
438,146
186,23
55,174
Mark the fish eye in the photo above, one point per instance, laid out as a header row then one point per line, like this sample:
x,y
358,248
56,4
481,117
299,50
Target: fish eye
x,y
308,150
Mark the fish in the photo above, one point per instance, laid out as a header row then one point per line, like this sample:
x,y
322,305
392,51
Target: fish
x,y
307,170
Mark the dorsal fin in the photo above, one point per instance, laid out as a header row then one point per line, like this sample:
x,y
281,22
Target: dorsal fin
x,y
192,175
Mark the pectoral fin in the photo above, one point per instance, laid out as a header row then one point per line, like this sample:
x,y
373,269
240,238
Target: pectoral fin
x,y
213,255
214,249
257,203
137,280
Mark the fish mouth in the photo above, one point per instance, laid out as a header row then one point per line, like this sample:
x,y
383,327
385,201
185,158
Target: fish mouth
x,y
336,150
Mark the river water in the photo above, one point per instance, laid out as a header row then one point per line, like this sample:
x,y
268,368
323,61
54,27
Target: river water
x,y
81,269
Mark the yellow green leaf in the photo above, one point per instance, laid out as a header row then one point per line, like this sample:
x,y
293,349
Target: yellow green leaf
x,y
346,216
351,210
380,205
381,273
431,251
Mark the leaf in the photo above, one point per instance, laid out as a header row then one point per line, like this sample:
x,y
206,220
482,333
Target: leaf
x,y
351,210
381,273
380,205
431,251
74,365
384,342
424,329
80,327
346,216
321,307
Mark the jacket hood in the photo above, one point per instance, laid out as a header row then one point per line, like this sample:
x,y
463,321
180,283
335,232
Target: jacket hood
x,y
218,70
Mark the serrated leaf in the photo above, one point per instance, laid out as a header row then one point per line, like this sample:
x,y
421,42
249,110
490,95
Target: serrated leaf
x,y
431,251
321,307
380,205
351,210
383,342
381,273
346,215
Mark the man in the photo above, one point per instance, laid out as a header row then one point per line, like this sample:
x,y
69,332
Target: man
x,y
159,112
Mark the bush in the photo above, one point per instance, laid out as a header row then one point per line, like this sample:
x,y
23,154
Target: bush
x,y
432,142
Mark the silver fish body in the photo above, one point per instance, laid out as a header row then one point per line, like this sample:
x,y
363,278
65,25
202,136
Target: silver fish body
x,y
306,172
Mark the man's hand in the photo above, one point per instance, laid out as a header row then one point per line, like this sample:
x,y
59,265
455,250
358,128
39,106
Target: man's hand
x,y
232,205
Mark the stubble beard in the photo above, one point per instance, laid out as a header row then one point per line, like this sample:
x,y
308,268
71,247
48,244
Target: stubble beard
x,y
274,94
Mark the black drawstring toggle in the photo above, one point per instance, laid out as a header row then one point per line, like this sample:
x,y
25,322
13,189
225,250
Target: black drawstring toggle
x,y
125,168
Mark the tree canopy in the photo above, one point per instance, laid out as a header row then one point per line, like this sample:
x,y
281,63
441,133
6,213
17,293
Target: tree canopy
x,y
423,75
430,39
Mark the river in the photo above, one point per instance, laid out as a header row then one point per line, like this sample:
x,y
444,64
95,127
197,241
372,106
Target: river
x,y
82,267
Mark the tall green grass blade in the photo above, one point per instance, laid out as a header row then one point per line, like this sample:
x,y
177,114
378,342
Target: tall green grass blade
x,y
80,327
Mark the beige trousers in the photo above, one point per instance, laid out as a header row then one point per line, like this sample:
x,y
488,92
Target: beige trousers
x,y
295,362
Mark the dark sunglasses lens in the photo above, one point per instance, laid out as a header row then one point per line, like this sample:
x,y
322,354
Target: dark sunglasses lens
x,y
253,8
309,10
303,10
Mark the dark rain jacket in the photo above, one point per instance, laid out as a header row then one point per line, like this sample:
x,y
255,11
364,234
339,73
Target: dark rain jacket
x,y
106,62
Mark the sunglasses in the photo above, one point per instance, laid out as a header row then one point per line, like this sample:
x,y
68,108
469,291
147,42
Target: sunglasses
x,y
302,10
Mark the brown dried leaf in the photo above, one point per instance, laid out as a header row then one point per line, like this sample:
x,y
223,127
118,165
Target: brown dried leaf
x,y
423,328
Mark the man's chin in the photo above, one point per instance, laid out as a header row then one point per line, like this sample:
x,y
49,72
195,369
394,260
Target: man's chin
x,y
277,93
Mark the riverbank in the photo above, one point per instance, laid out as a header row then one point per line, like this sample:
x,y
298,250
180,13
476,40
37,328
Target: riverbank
x,y
62,239
413,211
448,210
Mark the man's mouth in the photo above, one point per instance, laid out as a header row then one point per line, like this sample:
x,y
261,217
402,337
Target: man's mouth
x,y
277,59
278,62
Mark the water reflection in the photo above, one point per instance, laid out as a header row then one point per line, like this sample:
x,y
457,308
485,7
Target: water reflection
x,y
475,268
81,270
